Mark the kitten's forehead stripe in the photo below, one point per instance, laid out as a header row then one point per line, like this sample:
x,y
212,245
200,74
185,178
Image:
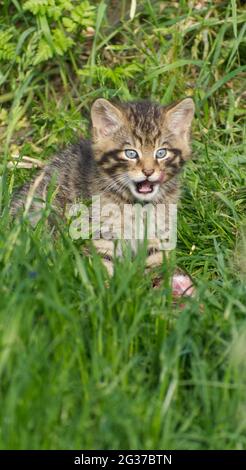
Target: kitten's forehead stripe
x,y
145,121
137,136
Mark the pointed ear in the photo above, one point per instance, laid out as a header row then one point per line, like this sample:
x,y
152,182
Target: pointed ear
x,y
178,119
106,118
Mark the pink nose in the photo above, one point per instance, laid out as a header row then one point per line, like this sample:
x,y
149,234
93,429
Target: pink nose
x,y
148,172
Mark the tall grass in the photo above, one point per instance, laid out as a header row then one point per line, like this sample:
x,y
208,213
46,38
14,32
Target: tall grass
x,y
88,362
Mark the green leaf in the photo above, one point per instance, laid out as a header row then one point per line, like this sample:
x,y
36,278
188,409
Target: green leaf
x,y
169,67
224,80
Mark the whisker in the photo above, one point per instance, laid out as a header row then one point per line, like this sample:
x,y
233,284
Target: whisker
x,y
119,182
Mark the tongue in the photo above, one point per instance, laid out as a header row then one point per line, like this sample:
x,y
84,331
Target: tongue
x,y
145,187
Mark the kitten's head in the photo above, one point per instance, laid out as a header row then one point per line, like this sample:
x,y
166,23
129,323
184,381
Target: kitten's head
x,y
141,146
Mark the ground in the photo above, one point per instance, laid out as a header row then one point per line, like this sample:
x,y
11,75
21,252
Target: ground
x,y
87,362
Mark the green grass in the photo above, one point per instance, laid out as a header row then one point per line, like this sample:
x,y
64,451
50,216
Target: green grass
x,y
84,364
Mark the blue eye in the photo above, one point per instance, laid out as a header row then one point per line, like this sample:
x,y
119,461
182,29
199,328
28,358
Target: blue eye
x,y
161,153
130,153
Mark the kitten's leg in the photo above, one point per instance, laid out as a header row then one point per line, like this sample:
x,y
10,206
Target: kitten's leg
x,y
109,266
154,259
106,249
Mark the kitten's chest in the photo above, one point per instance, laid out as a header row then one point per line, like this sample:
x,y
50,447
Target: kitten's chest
x,y
134,224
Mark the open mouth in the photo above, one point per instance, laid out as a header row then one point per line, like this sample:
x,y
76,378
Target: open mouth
x,y
145,187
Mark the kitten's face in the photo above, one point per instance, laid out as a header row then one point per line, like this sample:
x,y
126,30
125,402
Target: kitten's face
x,y
141,146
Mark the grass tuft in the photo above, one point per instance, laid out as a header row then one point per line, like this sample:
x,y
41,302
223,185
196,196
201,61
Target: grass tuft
x,y
87,362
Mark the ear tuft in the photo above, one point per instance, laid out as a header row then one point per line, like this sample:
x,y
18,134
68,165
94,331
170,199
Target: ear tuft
x,y
179,117
106,118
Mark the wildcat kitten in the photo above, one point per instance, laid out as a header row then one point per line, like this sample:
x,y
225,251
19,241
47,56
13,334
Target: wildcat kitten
x,y
137,152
